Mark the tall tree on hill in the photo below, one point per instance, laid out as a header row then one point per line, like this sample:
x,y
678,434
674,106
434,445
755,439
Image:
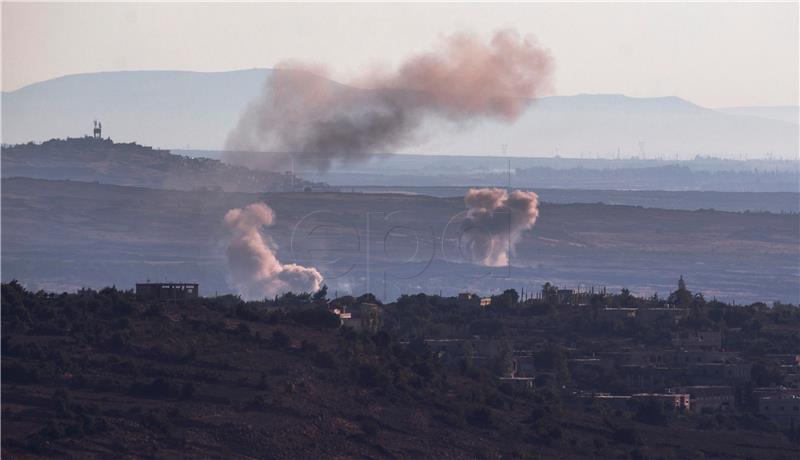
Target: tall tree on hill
x,y
682,297
625,298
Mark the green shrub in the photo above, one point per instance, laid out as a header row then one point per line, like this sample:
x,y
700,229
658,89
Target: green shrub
x,y
280,340
654,412
19,373
158,389
187,390
325,360
480,417
626,436
371,375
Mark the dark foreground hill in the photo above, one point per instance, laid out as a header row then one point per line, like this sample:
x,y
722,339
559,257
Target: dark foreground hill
x,y
101,375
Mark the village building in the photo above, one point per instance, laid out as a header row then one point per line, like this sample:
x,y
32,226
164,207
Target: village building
x,y
700,340
680,401
710,397
166,291
781,405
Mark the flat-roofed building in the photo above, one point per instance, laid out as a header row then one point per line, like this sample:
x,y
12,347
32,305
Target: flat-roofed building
x,y
781,405
167,291
680,401
700,340
710,397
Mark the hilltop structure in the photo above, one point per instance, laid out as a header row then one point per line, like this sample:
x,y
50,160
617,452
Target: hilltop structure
x,y
92,158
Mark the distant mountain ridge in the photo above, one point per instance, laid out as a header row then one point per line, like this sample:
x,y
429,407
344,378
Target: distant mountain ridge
x,y
197,110
787,113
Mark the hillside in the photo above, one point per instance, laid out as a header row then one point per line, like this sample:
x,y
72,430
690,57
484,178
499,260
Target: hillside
x,y
124,235
102,160
197,110
103,375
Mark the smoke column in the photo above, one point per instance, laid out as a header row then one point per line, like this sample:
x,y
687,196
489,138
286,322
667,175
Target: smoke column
x,y
495,222
254,269
303,113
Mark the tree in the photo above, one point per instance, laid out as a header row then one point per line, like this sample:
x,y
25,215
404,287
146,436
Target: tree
x,y
503,363
508,299
766,374
322,294
653,412
625,297
682,297
549,293
554,357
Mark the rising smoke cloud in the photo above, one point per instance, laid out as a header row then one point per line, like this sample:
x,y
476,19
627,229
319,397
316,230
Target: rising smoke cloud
x,y
303,113
254,269
495,222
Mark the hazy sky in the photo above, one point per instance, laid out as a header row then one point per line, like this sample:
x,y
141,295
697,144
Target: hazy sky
x,y
721,54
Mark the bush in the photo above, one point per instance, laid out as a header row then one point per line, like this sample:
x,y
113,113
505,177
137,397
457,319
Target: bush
x,y
280,340
243,330
316,318
158,389
259,402
626,436
187,390
370,427
117,342
246,312
599,443
636,454
19,373
52,431
453,417
122,323
307,346
370,375
325,360
486,328
480,417
654,412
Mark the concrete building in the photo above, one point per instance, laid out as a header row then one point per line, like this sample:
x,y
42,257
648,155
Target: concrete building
x,y
166,291
520,382
364,317
617,314
701,340
710,397
450,351
719,373
523,364
680,401
468,299
652,315
564,296
780,405
620,402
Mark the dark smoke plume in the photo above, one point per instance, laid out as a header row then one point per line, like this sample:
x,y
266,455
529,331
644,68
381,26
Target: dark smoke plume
x,y
495,222
254,270
303,113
